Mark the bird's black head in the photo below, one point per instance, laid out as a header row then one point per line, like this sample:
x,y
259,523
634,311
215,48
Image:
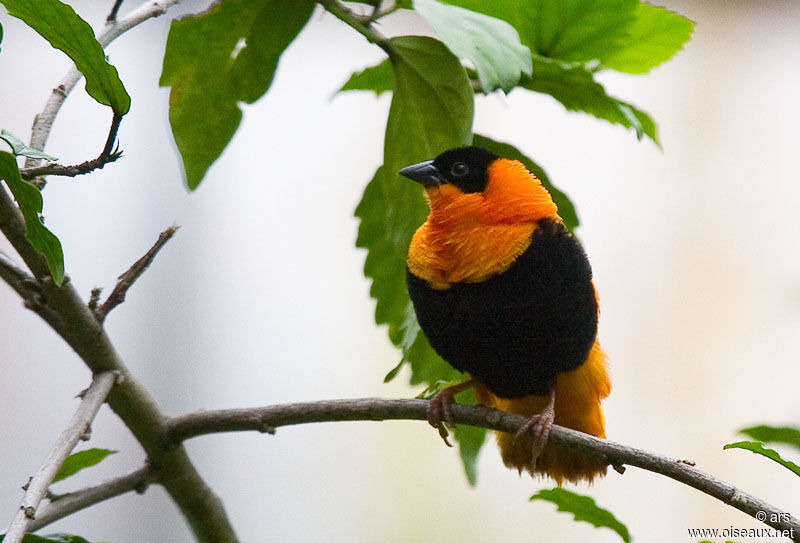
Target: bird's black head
x,y
464,167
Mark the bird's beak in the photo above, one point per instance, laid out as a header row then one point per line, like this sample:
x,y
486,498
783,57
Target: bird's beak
x,y
425,173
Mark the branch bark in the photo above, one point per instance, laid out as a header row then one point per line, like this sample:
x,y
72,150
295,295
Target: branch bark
x,y
92,398
109,154
126,280
267,419
66,504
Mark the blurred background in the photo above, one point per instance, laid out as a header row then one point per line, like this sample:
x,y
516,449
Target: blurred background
x,y
260,299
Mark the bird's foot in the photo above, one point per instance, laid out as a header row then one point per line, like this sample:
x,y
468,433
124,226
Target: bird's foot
x,y
438,409
538,426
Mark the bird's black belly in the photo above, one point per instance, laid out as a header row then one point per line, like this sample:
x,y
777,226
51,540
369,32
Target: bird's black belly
x,y
515,331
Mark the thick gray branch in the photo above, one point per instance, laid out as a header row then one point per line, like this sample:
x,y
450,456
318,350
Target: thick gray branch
x,y
35,490
267,419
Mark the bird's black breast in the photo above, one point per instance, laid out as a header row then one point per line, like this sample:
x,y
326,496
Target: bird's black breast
x,y
517,330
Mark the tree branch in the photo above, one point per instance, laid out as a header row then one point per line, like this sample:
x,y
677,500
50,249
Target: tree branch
x,y
66,504
359,24
91,400
108,154
76,323
127,279
44,121
27,287
267,419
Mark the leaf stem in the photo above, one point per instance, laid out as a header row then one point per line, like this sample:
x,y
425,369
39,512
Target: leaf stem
x,y
362,26
377,13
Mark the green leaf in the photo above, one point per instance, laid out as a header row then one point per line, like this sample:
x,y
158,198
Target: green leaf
x,y
583,509
216,60
569,30
655,36
65,30
20,149
50,538
574,86
786,435
576,30
492,45
394,371
470,440
378,78
565,207
626,35
30,203
759,448
81,460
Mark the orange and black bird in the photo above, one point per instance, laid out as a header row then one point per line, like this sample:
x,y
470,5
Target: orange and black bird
x,y
504,292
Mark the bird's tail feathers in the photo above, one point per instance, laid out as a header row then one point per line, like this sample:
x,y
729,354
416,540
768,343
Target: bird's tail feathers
x,y
578,394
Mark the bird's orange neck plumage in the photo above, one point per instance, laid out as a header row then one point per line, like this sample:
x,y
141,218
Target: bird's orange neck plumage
x,y
469,237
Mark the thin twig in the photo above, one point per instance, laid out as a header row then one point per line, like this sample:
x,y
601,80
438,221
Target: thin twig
x,y
44,120
36,489
130,276
357,23
267,419
112,17
379,13
66,504
109,154
94,298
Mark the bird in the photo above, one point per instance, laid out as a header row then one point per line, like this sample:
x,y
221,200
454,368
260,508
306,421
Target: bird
x,y
504,293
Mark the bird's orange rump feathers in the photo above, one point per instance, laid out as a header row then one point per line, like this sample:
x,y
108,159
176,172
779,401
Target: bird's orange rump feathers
x,y
578,394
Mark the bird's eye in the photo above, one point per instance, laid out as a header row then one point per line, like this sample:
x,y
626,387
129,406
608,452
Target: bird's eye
x,y
459,169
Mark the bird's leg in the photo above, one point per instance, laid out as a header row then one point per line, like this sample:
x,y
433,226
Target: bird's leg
x,y
539,426
439,406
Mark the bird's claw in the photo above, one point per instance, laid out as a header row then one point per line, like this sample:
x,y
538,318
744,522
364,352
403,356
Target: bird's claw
x,y
539,426
438,409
